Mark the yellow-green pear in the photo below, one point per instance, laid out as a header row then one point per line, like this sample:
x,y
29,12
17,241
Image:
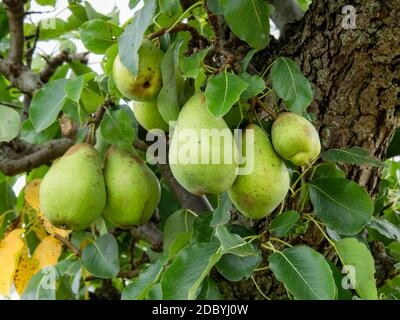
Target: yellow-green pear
x,y
72,193
257,193
295,139
146,85
203,154
133,191
148,115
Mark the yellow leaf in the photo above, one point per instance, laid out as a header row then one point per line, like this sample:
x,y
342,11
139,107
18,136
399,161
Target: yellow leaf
x,y
32,193
46,254
32,198
10,253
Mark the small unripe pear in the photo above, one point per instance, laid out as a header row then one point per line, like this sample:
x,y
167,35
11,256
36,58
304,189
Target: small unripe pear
x,y
295,139
146,85
257,194
208,163
133,190
72,193
148,115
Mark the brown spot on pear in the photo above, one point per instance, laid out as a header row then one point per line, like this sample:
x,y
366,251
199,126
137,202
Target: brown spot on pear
x,y
295,139
146,85
203,154
258,193
72,193
133,190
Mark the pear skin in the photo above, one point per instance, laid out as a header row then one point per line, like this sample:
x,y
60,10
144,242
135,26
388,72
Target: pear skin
x,y
72,193
146,85
295,139
257,194
147,114
205,164
133,190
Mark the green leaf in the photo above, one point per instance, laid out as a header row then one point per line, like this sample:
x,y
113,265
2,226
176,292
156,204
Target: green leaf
x,y
170,7
342,293
256,85
92,14
354,155
182,240
209,290
342,204
184,276
244,64
42,285
202,230
101,257
116,128
131,40
305,273
47,104
291,85
133,3
249,20
391,289
98,35
235,268
109,57
284,223
384,227
46,2
359,263
190,66
328,170
138,288
73,88
29,134
223,91
168,99
10,122
155,292
394,146
178,222
222,214
4,29
233,243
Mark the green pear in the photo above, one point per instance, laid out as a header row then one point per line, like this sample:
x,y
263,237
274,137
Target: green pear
x,y
148,115
72,193
258,193
295,139
146,85
133,191
200,160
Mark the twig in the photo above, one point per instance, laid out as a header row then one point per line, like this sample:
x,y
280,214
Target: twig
x,y
197,37
16,15
68,244
271,112
31,50
11,105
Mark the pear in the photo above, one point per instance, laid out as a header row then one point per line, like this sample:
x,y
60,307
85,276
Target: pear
x,y
72,193
200,160
258,193
146,85
148,115
295,139
133,191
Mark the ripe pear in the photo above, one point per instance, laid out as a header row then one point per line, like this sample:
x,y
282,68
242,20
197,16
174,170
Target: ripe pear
x,y
257,194
72,193
295,139
148,115
200,160
133,191
146,85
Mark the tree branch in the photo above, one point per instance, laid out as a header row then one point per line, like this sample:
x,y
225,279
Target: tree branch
x,y
58,60
149,233
68,244
18,156
16,14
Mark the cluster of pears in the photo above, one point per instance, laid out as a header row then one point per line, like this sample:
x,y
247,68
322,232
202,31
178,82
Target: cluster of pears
x,y
78,188
255,194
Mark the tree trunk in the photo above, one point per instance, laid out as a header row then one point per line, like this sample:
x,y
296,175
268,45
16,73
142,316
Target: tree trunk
x,y
355,75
